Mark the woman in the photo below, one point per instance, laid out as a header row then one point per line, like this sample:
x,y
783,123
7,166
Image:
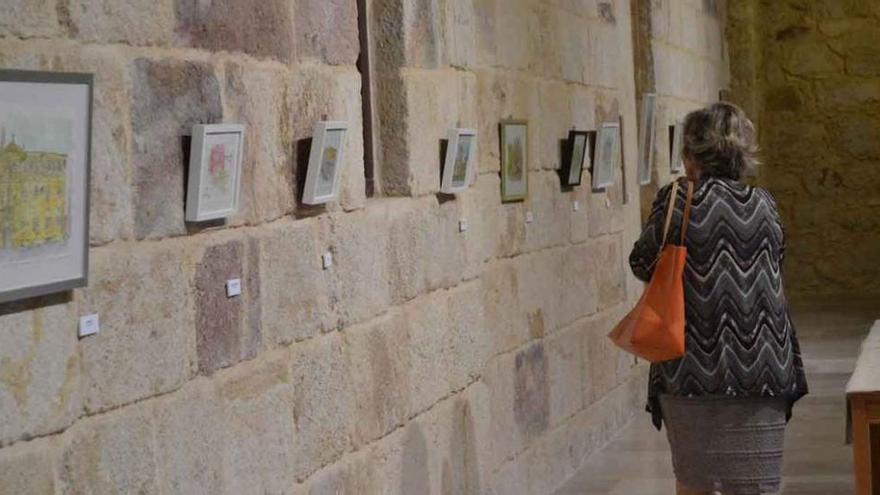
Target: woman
x,y
727,400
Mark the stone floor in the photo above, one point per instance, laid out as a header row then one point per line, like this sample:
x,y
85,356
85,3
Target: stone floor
x,y
817,461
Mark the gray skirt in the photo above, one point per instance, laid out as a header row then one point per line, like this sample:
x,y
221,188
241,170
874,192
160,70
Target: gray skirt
x,y
728,444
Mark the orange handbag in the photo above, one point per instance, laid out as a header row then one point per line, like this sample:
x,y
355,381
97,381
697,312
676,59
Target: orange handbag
x,y
654,329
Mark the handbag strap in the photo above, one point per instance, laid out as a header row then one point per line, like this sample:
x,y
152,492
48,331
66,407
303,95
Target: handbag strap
x,y
687,211
671,207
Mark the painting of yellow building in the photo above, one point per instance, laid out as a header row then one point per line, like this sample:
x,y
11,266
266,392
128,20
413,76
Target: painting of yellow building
x,y
33,197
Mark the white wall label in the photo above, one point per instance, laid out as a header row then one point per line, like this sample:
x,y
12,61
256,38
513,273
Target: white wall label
x,y
233,287
530,217
576,205
89,325
327,260
462,225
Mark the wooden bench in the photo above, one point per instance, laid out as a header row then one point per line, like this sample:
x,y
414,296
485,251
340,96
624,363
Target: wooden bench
x,y
863,404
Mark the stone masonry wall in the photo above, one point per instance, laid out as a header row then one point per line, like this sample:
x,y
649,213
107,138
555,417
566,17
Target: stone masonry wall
x,y
806,71
425,360
687,67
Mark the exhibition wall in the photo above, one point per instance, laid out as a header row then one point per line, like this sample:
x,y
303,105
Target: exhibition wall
x,y
807,73
395,339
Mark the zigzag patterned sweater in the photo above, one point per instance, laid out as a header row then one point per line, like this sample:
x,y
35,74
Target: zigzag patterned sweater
x,y
739,338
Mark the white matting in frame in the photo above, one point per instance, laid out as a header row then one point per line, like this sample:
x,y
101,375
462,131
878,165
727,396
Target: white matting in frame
x,y
45,152
646,138
461,150
607,155
214,171
675,159
325,162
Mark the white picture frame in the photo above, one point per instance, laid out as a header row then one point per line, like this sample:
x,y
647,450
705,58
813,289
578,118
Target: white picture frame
x,y
676,163
646,138
45,159
215,162
458,165
326,160
607,155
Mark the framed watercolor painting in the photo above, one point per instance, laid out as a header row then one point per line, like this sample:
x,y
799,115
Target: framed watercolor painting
x,y
646,138
214,171
607,155
325,162
676,139
45,153
514,160
577,151
458,164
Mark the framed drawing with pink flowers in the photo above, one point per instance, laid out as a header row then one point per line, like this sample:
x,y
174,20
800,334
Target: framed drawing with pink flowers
x,y
214,171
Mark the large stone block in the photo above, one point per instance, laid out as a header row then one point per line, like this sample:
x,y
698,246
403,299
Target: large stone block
x,y
553,123
426,249
359,284
550,212
146,345
424,33
859,136
264,29
379,351
40,373
289,254
224,333
111,453
837,95
327,30
608,269
564,374
517,36
169,96
540,277
449,344
531,400
462,27
28,18
252,97
324,405
810,57
257,409
505,322
480,207
485,31
28,469
190,441
133,23
580,280
574,42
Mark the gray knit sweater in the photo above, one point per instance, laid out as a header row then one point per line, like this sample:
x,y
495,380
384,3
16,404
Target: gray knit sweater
x,y
739,338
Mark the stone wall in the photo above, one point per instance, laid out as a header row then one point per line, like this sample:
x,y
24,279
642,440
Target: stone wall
x,y
684,61
425,360
807,73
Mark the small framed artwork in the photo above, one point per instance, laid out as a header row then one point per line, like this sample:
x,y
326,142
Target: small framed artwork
x,y
45,152
458,164
214,171
325,162
607,155
577,152
676,139
514,160
646,139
